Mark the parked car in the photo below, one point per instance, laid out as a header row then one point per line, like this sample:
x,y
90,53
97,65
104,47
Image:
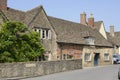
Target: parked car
x,y
119,74
116,58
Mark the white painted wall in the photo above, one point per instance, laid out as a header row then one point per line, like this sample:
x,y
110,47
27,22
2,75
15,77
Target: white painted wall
x,y
102,31
119,49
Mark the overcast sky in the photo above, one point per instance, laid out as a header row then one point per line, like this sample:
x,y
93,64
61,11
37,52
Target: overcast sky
x,y
103,10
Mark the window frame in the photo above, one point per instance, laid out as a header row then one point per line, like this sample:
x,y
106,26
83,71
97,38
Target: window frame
x,y
85,57
106,57
44,32
67,57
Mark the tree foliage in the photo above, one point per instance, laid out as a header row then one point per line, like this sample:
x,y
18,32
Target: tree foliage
x,y
17,44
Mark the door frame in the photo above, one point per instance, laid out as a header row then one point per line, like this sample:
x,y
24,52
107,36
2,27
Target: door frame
x,y
96,59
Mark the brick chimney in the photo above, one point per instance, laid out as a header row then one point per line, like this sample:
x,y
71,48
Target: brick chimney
x,y
83,18
91,21
3,5
112,31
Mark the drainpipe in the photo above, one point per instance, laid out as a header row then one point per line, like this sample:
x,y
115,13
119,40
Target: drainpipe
x,y
60,51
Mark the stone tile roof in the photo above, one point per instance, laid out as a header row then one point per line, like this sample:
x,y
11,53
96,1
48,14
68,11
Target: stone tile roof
x,y
37,18
114,40
98,25
15,15
67,32
71,32
33,18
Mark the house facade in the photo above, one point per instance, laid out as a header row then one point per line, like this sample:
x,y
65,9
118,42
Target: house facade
x,y
64,40
114,38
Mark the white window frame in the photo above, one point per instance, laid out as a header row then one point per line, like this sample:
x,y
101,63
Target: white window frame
x,y
43,32
36,30
106,56
89,57
46,32
49,34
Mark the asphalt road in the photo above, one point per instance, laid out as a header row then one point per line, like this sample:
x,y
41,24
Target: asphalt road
x,y
96,73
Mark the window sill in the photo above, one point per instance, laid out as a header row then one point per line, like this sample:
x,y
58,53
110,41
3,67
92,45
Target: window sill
x,y
87,60
106,60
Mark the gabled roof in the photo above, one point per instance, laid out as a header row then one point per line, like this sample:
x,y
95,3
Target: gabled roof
x,y
37,18
71,32
98,24
114,40
33,18
67,31
15,15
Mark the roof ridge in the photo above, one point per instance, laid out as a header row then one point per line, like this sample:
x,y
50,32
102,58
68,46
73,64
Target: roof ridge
x,y
36,14
66,20
15,9
117,32
38,7
61,19
98,21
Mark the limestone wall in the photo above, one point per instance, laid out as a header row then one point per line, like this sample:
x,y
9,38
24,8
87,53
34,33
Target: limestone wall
x,y
101,60
30,69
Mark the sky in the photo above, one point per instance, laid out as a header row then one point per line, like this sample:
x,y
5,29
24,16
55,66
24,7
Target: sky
x,y
107,11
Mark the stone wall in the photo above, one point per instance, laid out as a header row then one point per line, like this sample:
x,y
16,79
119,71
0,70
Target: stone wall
x,y
101,60
30,69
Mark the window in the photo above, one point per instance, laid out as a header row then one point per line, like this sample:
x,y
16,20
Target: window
x,y
67,56
36,30
64,56
47,34
87,57
106,57
89,40
44,33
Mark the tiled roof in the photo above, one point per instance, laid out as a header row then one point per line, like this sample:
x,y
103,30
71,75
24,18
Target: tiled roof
x,y
67,31
114,40
98,25
37,18
15,15
33,18
71,32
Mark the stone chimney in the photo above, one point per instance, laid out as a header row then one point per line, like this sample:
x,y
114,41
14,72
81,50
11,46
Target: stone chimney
x,y
3,5
83,18
112,31
91,21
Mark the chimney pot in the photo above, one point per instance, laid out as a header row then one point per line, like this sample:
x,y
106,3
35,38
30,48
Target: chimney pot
x,y
112,31
83,18
91,21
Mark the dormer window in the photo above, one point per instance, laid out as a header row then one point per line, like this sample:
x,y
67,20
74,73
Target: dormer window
x,y
89,40
44,33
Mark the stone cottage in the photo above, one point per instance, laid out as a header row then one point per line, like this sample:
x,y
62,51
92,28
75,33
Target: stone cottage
x,y
64,40
114,38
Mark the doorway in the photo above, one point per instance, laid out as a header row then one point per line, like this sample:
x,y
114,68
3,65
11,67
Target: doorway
x,y
96,59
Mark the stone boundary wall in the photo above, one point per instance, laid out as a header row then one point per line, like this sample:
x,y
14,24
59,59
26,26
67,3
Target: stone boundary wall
x,y
31,69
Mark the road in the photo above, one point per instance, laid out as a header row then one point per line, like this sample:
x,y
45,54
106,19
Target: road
x,y
96,73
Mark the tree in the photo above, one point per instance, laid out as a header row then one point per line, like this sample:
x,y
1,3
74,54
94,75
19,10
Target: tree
x,y
17,44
